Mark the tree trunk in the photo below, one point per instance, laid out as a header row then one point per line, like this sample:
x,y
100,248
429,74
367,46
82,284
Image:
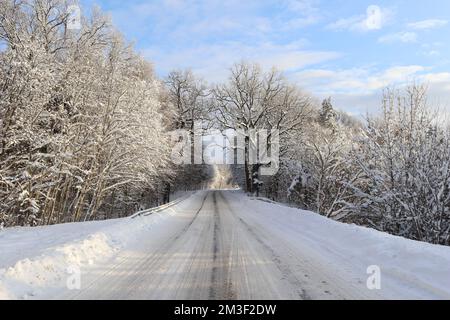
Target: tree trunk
x,y
167,194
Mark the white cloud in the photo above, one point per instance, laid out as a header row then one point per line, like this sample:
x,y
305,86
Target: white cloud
x,y
393,76
294,60
374,19
427,24
307,12
212,61
352,23
179,21
359,90
433,53
404,37
197,35
302,6
432,49
443,77
298,23
356,80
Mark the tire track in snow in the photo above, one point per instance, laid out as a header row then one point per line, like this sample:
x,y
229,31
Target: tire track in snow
x,y
285,270
221,284
146,262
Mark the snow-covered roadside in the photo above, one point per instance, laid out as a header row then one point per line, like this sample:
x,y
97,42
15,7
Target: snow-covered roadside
x,y
409,269
35,261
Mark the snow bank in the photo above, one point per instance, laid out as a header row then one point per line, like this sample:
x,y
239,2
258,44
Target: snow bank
x,y
30,275
409,269
36,261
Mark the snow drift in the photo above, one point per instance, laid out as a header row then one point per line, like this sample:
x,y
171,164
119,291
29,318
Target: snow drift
x,y
37,261
34,262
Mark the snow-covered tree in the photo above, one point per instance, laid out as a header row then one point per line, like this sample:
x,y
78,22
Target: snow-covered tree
x,y
405,158
328,116
83,132
253,99
188,96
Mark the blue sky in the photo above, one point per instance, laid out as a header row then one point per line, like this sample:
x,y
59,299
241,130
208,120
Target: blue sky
x,y
349,50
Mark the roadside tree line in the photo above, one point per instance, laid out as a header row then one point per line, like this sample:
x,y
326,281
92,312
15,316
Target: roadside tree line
x,y
390,171
84,120
84,134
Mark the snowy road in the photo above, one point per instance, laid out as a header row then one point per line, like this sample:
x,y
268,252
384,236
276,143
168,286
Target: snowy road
x,y
218,245
216,252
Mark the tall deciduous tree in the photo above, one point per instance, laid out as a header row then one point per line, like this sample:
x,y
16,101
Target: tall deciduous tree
x,y
253,99
83,135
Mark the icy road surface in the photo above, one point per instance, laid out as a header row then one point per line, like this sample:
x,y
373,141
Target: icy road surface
x,y
225,245
218,251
